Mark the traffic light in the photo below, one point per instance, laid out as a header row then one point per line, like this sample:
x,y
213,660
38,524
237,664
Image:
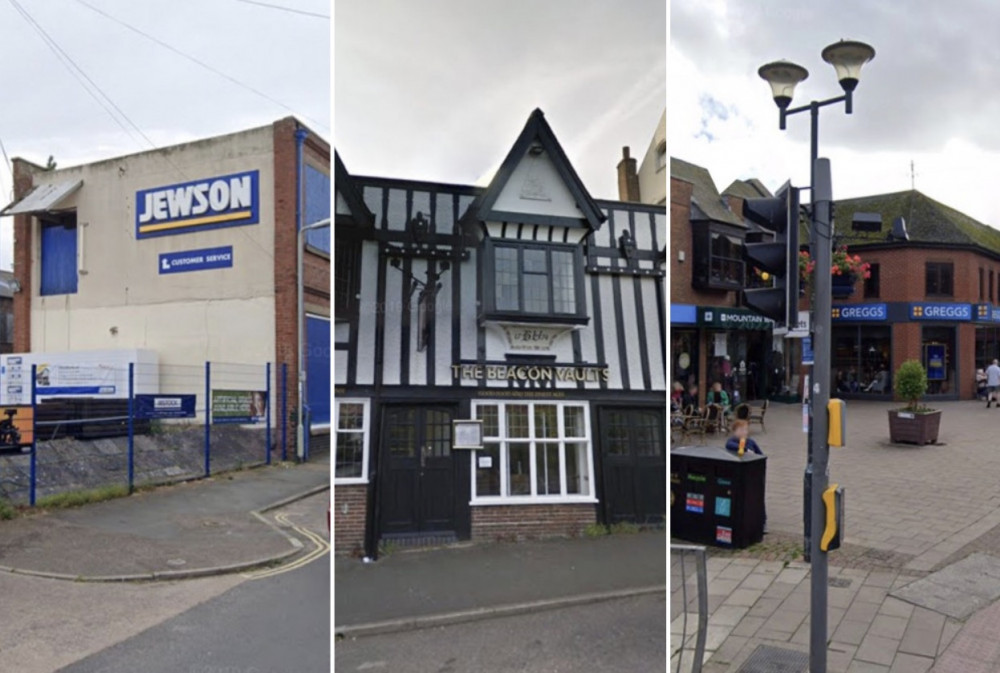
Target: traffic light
x,y
780,257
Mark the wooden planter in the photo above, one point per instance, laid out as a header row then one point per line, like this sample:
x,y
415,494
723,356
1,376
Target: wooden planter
x,y
914,428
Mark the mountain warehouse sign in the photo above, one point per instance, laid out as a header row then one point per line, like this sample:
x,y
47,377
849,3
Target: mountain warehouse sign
x,y
586,373
212,203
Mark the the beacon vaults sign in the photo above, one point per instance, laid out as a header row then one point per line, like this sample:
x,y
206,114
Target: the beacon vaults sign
x,y
212,203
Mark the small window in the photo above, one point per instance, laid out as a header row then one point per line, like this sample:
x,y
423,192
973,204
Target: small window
x,y
940,279
991,285
534,280
872,288
350,441
346,267
982,283
58,253
718,257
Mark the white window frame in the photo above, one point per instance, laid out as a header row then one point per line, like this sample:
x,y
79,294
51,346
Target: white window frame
x,y
365,441
535,499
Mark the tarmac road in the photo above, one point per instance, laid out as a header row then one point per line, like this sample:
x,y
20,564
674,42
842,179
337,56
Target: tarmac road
x,y
273,621
615,636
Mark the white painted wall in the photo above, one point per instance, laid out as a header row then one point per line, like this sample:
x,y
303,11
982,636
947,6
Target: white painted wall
x,y
187,318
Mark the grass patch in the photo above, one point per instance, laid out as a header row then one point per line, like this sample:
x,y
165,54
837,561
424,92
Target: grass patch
x,y
79,498
595,530
624,528
7,511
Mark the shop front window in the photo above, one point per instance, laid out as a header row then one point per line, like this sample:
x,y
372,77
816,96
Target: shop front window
x,y
739,363
861,360
938,357
533,452
684,361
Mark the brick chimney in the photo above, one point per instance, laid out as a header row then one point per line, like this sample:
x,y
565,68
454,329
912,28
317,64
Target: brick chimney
x,y
628,178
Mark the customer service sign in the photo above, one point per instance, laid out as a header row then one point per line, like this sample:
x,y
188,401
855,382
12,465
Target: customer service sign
x,y
199,205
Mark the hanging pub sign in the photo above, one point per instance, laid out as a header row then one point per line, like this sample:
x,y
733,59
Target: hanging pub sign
x,y
210,203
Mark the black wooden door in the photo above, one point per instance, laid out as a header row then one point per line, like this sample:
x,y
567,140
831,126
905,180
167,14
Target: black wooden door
x,y
633,448
418,486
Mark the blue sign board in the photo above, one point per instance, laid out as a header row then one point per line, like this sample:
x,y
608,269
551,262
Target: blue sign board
x,y
807,351
935,362
164,406
683,314
199,205
934,311
196,260
861,312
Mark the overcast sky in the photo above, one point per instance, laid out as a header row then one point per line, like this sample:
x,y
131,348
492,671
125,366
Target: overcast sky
x,y
930,95
45,111
439,89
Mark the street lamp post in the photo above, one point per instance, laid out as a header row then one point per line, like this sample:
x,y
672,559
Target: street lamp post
x,y
847,57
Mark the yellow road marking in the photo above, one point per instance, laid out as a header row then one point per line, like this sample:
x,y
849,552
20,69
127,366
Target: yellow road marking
x,y
322,548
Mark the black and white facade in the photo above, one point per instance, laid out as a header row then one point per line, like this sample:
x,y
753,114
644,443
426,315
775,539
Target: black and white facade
x,y
529,306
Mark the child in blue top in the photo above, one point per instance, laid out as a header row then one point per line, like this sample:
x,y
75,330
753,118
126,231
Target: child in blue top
x,y
741,434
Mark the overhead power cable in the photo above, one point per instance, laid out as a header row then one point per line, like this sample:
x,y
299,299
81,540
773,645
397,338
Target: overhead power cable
x,y
83,78
201,63
285,9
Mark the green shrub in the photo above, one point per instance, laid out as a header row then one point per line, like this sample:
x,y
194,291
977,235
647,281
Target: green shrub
x,y
911,383
7,511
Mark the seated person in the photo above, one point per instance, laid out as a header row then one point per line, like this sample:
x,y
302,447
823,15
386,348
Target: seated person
x,y
718,396
677,397
690,398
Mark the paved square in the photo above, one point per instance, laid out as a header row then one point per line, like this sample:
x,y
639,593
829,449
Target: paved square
x,y
915,586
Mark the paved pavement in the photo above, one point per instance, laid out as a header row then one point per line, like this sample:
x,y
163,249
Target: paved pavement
x,y
171,532
413,588
915,586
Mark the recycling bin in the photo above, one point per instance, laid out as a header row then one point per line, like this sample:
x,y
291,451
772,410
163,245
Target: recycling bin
x,y
716,496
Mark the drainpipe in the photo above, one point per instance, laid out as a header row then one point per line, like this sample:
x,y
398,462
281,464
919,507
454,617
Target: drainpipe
x,y
300,139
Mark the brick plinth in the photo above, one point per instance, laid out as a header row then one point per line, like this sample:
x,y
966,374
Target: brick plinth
x,y
349,518
530,522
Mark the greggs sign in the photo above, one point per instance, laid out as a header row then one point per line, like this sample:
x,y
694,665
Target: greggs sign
x,y
213,203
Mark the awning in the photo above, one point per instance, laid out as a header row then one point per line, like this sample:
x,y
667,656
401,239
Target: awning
x,y
43,198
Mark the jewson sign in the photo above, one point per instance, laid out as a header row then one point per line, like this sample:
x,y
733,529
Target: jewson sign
x,y
196,260
861,312
211,203
924,311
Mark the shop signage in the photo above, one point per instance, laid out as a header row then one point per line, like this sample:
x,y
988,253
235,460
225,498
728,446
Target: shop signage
x,y
532,337
196,260
211,203
585,373
238,406
861,312
986,312
732,318
925,311
807,351
164,406
935,356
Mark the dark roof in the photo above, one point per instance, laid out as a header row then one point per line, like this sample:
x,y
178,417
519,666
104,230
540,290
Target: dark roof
x,y
537,130
748,189
345,186
927,221
706,202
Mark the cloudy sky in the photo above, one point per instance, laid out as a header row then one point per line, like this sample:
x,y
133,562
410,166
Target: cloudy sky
x,y
439,89
284,55
930,95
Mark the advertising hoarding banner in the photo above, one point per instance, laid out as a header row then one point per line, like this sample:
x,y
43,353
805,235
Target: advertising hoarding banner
x,y
239,406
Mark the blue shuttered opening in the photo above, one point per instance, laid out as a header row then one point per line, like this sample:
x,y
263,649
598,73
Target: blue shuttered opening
x,y
58,273
318,362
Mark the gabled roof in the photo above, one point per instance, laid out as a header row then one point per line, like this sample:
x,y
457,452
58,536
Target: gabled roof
x,y
346,188
747,189
536,131
706,202
927,221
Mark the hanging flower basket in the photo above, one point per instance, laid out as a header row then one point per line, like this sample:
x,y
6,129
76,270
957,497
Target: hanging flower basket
x,y
845,271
